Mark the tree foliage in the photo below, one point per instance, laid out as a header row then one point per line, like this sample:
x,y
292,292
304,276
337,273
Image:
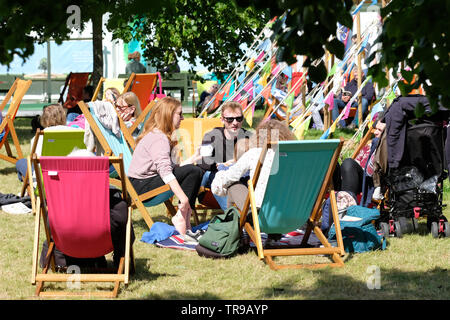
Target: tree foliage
x,y
415,34
206,31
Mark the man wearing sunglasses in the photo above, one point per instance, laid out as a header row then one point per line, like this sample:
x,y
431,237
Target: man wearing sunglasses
x,y
219,144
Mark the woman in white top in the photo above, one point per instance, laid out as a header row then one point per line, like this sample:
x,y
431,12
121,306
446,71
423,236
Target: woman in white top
x,y
227,182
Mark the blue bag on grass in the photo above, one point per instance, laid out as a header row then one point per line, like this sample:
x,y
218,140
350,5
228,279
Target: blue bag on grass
x,y
359,233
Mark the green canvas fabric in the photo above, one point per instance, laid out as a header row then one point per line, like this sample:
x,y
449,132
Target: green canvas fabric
x,y
222,235
297,175
62,142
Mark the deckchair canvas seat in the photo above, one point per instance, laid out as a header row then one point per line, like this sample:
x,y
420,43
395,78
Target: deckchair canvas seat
x,y
78,224
300,179
76,205
284,206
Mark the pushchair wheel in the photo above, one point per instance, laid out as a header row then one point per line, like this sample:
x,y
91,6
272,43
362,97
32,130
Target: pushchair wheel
x,y
415,223
398,229
446,229
406,224
434,229
385,228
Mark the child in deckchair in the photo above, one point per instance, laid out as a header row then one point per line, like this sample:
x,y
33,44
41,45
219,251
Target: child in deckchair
x,y
153,166
226,182
128,107
53,118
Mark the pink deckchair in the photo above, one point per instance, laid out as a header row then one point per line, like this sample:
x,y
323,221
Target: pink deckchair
x,y
76,193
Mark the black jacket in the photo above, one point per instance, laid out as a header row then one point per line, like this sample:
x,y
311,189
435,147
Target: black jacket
x,y
223,149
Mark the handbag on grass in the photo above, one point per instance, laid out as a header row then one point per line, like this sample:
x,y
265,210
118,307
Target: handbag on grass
x,y
222,237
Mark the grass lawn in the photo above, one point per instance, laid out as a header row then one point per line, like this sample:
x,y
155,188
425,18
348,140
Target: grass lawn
x,y
413,267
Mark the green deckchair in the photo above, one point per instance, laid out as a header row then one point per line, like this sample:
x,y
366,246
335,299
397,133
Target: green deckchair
x,y
300,178
117,146
59,142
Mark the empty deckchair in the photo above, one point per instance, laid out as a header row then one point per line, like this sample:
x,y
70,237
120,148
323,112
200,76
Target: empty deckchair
x,y
78,225
108,83
115,146
142,84
190,136
54,143
75,83
300,177
16,92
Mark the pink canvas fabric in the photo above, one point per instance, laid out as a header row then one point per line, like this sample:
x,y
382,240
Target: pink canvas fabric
x,y
77,191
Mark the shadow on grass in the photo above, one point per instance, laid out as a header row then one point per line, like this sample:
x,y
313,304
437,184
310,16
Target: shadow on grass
x,y
10,169
393,284
176,295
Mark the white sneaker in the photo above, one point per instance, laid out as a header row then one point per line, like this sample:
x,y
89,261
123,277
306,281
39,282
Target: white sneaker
x,y
377,194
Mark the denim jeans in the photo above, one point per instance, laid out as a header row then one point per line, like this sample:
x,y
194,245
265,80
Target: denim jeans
x,y
206,182
339,105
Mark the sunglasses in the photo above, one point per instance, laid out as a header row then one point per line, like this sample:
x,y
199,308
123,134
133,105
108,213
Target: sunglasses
x,y
231,119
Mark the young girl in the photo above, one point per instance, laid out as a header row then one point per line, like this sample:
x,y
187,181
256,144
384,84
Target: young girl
x,y
225,182
128,107
152,165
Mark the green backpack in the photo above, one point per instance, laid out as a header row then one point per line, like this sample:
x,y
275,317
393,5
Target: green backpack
x,y
222,236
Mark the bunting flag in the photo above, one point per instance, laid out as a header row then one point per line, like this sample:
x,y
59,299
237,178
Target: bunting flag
x,y
347,110
264,45
289,101
288,72
250,64
219,97
260,56
263,80
267,69
242,76
332,70
266,92
302,129
248,112
330,100
391,96
226,89
375,109
238,97
276,69
249,88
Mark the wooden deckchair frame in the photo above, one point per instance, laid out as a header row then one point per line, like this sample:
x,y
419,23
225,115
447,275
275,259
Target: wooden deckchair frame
x,y
136,200
16,92
193,144
28,179
132,78
250,222
39,279
67,84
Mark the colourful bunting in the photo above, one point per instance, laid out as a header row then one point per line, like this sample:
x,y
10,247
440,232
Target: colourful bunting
x,y
250,64
259,57
330,100
289,101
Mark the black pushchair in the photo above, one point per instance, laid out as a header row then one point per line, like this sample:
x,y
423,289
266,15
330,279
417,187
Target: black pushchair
x,y
415,188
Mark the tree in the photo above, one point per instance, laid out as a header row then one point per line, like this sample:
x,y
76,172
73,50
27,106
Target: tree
x,y
43,65
208,31
414,34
